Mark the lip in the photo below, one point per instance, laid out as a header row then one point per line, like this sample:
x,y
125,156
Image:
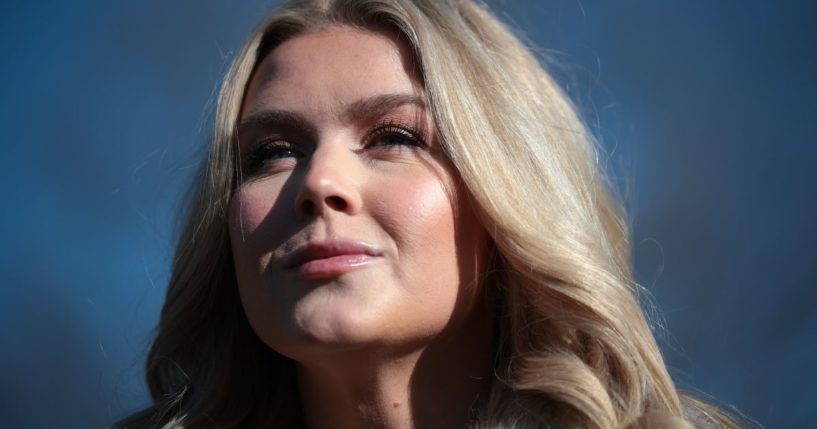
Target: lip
x,y
330,258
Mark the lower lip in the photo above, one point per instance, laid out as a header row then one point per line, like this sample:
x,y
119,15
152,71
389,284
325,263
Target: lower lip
x,y
332,266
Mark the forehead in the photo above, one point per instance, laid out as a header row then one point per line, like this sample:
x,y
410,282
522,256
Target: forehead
x,y
331,67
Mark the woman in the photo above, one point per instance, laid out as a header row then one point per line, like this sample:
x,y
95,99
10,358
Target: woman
x,y
401,223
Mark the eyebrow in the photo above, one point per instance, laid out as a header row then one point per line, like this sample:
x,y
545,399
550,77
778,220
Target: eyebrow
x,y
276,118
366,108
380,104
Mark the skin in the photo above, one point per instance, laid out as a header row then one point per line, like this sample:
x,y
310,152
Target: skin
x,y
406,339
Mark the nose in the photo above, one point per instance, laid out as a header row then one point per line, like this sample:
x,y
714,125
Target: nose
x,y
329,184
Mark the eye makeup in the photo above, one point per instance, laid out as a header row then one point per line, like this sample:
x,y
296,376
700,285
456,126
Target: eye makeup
x,y
391,132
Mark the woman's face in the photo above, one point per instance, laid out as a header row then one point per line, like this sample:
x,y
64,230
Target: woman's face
x,y
349,230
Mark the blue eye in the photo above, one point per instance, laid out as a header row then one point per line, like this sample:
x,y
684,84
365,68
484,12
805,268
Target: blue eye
x,y
392,139
279,153
394,136
271,153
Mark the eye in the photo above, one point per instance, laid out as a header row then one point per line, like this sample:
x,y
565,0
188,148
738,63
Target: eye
x,y
394,136
271,153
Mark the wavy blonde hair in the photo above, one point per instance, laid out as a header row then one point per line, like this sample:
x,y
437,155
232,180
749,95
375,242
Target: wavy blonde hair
x,y
574,347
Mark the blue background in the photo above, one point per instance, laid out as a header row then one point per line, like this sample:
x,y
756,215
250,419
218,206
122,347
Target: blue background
x,y
707,108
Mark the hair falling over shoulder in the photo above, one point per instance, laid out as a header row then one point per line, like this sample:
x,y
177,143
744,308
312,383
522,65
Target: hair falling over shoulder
x,y
574,347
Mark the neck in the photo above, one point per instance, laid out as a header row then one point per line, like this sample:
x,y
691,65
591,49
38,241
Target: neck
x,y
437,385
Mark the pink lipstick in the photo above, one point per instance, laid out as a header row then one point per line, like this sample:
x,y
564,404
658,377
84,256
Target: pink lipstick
x,y
330,258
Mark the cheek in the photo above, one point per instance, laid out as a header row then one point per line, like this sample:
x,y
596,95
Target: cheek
x,y
254,229
440,251
251,205
417,214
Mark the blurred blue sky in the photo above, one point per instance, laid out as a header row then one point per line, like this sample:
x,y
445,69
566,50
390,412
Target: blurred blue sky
x,y
708,110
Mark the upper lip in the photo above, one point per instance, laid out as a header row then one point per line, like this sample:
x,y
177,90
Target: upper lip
x,y
327,249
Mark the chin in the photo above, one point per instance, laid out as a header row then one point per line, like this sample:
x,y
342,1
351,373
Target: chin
x,y
330,333
317,330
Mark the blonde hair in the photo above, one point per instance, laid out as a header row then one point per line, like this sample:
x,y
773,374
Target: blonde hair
x,y
574,347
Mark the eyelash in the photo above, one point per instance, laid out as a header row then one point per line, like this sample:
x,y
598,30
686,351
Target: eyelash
x,y
269,148
393,128
265,150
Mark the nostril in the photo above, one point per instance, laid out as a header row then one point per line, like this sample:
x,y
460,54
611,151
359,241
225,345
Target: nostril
x,y
336,202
